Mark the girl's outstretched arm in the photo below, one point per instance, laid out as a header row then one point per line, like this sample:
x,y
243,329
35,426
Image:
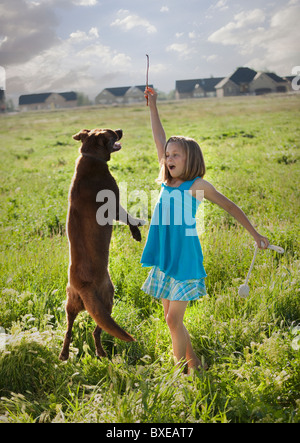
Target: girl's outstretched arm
x,y
211,194
158,131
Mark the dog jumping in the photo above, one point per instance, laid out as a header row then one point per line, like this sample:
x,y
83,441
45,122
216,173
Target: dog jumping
x,y
89,285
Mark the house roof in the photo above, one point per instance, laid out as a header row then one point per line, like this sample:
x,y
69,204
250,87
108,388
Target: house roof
x,y
31,99
243,75
275,77
69,96
118,92
289,77
207,84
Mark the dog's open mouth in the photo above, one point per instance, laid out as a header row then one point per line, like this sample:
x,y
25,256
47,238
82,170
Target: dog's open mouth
x,y
117,147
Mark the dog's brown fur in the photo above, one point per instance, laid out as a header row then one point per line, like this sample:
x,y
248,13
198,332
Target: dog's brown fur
x,y
89,286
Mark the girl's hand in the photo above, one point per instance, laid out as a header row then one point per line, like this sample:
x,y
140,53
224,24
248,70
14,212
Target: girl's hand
x,y
262,242
151,94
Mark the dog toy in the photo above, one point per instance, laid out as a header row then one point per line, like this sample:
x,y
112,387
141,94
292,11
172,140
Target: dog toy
x,y
147,75
244,289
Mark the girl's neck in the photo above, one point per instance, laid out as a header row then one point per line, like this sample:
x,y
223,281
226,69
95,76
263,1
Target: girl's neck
x,y
174,182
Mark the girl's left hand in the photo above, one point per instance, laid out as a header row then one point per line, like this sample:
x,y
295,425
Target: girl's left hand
x,y
261,241
151,95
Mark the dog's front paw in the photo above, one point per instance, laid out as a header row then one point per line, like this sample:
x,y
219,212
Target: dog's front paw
x,y
139,222
135,232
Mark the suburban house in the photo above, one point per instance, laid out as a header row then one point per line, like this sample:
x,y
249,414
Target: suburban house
x,y
198,88
122,95
49,100
267,82
111,96
247,81
236,84
135,94
2,101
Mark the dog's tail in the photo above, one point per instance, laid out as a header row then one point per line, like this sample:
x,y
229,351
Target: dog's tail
x,y
109,325
106,322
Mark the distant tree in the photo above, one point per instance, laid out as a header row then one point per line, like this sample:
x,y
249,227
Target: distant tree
x,y
171,95
83,100
166,96
9,104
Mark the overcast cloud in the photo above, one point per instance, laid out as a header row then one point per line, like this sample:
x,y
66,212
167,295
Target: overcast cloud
x,y
88,45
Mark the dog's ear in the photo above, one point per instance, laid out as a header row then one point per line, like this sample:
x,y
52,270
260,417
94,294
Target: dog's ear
x,y
82,135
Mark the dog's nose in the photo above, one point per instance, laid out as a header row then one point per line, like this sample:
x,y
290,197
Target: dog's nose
x,y
119,133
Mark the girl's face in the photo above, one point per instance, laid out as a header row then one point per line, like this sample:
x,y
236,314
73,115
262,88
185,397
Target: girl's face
x,y
175,159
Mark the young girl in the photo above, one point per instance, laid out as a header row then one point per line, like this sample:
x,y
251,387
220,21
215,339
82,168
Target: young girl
x,y
173,248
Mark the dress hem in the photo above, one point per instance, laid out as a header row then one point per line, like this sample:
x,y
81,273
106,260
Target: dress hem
x,y
161,286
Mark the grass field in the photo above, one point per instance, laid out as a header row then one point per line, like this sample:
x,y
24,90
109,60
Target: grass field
x,y
251,147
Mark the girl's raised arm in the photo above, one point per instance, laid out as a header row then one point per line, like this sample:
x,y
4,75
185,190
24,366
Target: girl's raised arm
x,y
211,194
158,131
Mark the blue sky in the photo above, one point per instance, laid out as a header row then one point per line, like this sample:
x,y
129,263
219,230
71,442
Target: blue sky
x,y
87,45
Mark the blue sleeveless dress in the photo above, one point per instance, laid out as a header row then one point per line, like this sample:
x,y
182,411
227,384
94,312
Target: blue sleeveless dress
x,y
173,248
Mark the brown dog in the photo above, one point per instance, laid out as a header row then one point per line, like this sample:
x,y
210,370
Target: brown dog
x,y
89,233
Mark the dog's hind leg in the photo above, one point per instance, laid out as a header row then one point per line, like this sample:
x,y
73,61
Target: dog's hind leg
x,y
100,352
99,307
73,307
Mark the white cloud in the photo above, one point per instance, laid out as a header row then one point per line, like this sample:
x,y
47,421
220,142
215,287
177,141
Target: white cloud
x,y
3,40
81,36
177,47
26,29
93,32
182,49
85,2
192,35
271,40
164,9
63,2
280,41
83,64
127,22
232,33
246,18
210,58
221,5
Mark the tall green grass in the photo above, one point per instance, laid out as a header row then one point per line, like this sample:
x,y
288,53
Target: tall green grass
x,y
251,147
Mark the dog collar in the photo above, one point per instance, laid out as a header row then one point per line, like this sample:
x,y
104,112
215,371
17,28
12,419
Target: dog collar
x,y
85,154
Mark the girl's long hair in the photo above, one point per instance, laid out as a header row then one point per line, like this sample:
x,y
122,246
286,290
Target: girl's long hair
x,y
195,165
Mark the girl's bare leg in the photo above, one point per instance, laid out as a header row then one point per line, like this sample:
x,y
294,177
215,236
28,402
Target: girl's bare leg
x,y
182,347
174,313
